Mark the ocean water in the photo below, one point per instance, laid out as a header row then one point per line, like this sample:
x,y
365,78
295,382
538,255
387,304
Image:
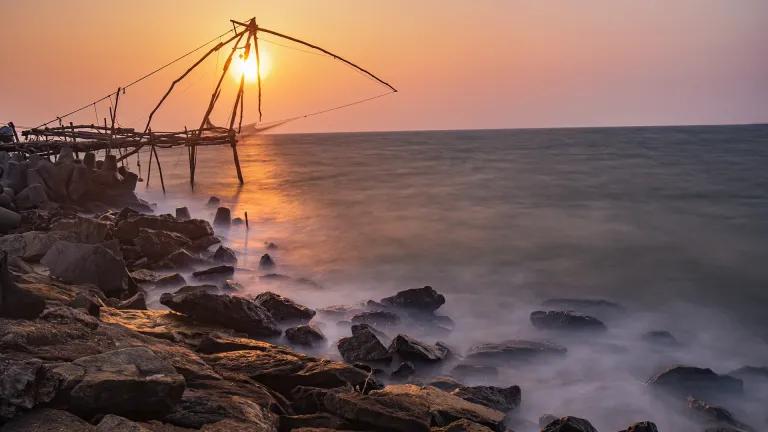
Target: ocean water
x,y
671,222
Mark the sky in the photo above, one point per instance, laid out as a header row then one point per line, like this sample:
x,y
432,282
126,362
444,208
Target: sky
x,y
457,64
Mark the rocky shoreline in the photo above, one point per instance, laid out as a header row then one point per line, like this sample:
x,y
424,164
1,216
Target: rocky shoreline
x,y
80,350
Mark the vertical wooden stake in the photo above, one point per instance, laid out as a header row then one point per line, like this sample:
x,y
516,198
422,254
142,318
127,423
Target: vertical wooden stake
x,y
246,220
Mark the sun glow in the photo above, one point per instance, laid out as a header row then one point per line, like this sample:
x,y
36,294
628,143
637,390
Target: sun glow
x,y
248,67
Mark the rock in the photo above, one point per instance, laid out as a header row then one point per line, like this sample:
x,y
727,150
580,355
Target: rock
x,y
339,311
232,312
9,219
203,243
83,263
128,226
684,381
14,176
91,231
182,214
16,302
270,246
305,335
283,309
565,320
419,299
217,272
502,399
444,383
89,160
181,259
21,386
408,348
225,255
231,286
266,263
715,416
48,420
660,338
32,245
404,370
79,183
171,281
751,374
363,346
157,245
569,424
237,221
514,350
377,318
114,381
470,371
223,218
584,305
33,196
645,426
213,202
110,163
463,425
89,303
138,302
321,420
113,423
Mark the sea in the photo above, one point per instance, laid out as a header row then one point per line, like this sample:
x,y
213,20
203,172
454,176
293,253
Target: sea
x,y
670,222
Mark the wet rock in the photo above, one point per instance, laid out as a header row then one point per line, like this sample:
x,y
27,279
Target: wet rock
x,y
15,301
645,426
266,263
225,255
138,302
217,272
463,425
232,312
48,420
33,196
377,318
404,370
213,202
661,338
362,346
115,380
223,218
127,227
419,299
157,245
569,424
203,243
89,303
565,320
283,309
182,214
408,348
305,335
514,350
684,381
95,264
502,399
715,416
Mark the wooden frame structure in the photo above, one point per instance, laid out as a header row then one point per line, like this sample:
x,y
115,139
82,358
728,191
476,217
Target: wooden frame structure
x,y
48,141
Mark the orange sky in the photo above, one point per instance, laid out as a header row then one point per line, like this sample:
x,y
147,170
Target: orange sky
x,y
458,64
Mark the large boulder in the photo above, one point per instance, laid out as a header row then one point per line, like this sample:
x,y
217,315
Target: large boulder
x,y
715,416
377,318
9,219
502,399
565,321
305,335
227,311
32,245
33,196
128,227
514,350
20,388
701,383
418,299
363,346
408,348
95,264
569,424
15,301
156,244
283,309
225,255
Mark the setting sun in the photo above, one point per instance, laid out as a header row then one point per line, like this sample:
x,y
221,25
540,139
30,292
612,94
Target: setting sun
x,y
249,66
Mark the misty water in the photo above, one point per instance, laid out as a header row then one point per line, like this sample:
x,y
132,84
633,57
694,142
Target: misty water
x,y
670,222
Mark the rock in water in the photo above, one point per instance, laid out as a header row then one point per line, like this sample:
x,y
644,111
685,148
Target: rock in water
x,y
645,426
569,424
283,309
213,201
266,263
223,218
131,382
701,383
566,321
182,214
225,255
157,245
128,225
232,312
218,272
377,318
408,348
305,335
420,299
502,399
514,350
95,264
716,416
363,346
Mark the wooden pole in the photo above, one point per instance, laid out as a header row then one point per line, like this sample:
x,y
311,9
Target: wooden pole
x,y
233,138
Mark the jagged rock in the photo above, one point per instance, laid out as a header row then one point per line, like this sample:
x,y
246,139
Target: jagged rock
x,y
715,416
306,335
84,263
565,320
419,299
48,420
266,263
112,382
213,201
217,272
33,196
182,214
569,424
408,348
283,309
225,255
502,399
138,302
181,259
20,386
660,338
377,318
9,219
170,281
15,301
363,346
463,425
89,303
645,426
32,245
157,245
404,370
232,312
203,243
90,230
223,218
514,350
127,227
684,381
